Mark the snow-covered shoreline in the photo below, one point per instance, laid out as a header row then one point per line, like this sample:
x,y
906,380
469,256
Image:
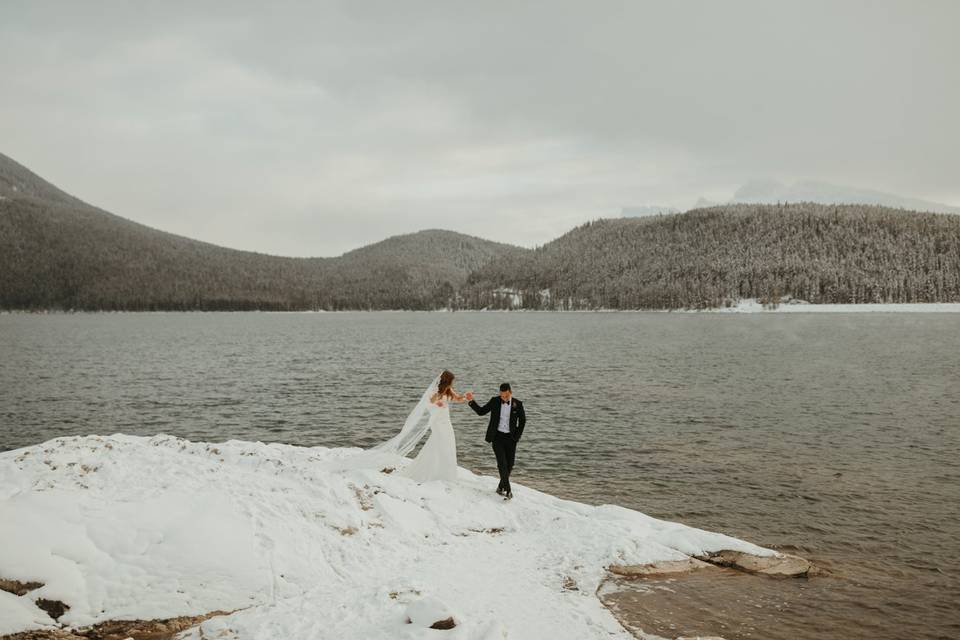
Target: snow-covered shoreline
x,y
751,305
308,543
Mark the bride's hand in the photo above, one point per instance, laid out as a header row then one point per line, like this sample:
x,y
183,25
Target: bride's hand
x,y
439,403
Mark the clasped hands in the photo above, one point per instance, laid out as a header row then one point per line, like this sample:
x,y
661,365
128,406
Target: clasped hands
x,y
468,395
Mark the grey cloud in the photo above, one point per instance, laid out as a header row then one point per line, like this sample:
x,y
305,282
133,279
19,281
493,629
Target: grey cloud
x,y
308,129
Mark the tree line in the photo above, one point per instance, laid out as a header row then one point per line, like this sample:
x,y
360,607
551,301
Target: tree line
x,y
63,254
715,256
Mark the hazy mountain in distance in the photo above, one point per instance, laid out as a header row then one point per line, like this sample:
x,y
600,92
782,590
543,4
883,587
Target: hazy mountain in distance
x,y
646,210
772,192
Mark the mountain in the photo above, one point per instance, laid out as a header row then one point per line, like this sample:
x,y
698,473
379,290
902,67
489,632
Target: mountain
x,y
16,181
772,192
421,270
713,257
57,252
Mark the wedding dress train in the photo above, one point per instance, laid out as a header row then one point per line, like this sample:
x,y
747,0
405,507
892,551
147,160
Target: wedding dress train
x,y
437,459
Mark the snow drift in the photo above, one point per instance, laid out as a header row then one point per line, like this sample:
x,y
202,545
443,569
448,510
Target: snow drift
x,y
307,543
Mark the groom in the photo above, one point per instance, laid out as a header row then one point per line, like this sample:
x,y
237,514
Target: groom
x,y
507,420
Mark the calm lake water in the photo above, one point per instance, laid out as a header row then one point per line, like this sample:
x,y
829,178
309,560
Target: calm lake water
x,y
836,437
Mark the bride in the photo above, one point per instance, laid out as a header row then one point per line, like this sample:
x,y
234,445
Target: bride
x,y
437,459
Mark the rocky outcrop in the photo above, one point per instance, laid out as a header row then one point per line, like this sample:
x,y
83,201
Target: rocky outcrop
x,y
777,566
53,608
657,568
120,629
18,588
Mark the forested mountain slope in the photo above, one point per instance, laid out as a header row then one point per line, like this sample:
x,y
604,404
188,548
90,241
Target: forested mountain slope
x,y
56,252
706,257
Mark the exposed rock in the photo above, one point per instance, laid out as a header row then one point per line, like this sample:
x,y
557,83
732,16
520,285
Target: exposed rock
x,y
492,530
657,568
446,623
430,613
569,584
54,608
120,629
44,634
778,566
17,587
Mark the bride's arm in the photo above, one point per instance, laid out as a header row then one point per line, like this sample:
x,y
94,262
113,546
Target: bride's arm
x,y
456,397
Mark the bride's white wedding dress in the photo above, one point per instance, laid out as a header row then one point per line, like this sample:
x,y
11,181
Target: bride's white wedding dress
x,y
437,459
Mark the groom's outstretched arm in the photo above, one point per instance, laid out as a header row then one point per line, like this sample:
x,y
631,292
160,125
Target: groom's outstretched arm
x,y
485,409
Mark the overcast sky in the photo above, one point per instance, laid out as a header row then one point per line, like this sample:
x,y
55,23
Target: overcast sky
x,y
313,129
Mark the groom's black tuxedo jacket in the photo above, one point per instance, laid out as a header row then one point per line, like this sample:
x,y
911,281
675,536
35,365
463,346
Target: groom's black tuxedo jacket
x,y
518,419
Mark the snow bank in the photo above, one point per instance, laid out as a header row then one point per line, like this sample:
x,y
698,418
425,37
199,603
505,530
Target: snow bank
x,y
307,543
752,305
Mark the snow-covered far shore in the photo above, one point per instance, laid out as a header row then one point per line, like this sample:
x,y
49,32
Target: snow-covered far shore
x,y
752,305
307,543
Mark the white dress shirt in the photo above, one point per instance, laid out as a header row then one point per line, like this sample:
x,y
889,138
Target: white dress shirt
x,y
504,426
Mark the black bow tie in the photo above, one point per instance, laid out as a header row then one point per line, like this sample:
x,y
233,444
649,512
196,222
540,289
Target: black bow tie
x,y
505,402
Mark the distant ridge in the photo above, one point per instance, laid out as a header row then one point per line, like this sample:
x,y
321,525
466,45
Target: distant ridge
x,y
775,192
59,253
772,192
811,191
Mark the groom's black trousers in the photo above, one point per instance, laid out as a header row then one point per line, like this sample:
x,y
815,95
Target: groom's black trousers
x,y
505,448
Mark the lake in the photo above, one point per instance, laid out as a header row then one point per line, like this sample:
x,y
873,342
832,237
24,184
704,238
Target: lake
x,y
835,437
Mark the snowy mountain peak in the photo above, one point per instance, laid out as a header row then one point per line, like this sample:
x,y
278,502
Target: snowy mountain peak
x,y
772,191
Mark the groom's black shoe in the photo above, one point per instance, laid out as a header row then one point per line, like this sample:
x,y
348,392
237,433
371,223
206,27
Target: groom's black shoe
x,y
508,495
499,491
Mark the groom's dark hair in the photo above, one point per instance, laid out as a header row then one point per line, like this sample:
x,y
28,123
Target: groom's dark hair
x,y
505,386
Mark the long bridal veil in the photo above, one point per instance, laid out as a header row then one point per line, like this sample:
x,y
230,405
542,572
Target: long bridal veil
x,y
414,428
